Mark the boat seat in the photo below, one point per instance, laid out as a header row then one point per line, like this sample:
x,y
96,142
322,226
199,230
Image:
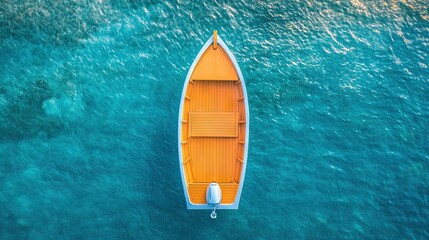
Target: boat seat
x,y
213,124
198,192
232,80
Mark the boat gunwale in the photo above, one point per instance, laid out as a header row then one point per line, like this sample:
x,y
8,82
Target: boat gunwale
x,y
236,202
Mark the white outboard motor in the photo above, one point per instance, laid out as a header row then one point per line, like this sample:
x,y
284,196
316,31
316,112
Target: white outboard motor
x,y
213,197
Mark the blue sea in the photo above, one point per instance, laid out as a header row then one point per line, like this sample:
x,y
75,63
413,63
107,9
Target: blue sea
x,y
339,127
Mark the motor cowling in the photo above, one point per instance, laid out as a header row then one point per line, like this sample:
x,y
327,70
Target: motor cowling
x,y
214,194
213,197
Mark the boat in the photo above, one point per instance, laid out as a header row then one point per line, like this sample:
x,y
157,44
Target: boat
x,y
213,129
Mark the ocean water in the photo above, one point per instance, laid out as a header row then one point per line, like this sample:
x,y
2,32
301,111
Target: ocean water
x,y
339,135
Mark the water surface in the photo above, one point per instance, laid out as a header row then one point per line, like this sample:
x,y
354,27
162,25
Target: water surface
x,y
338,94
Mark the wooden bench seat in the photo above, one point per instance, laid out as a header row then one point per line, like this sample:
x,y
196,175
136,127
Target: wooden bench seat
x,y
197,192
213,124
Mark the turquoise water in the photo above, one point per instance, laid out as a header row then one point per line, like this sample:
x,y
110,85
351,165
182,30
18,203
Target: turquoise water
x,y
338,94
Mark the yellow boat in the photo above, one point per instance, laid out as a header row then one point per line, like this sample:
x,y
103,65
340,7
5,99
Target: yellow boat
x,y
213,129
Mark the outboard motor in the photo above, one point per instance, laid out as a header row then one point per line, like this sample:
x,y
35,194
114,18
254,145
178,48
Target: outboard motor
x,y
213,197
